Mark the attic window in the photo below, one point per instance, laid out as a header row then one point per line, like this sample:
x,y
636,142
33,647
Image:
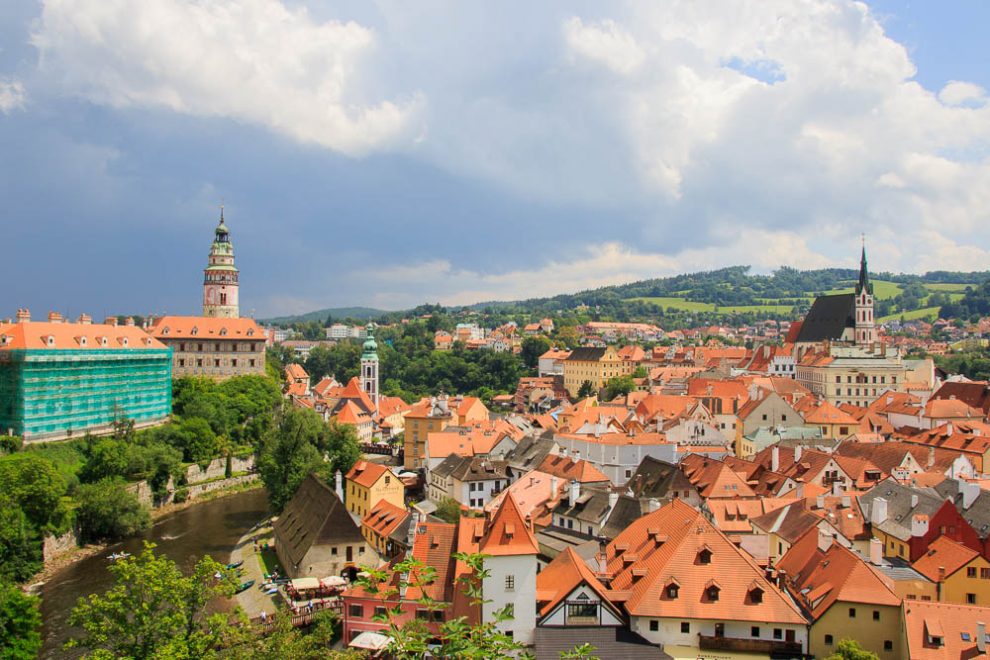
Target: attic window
x,y
103,341
223,332
123,341
712,593
756,595
672,590
165,330
194,331
250,332
82,341
705,556
51,340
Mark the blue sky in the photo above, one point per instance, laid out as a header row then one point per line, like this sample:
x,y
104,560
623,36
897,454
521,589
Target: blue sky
x,y
373,153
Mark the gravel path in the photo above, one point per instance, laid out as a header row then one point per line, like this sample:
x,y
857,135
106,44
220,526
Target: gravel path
x,y
254,601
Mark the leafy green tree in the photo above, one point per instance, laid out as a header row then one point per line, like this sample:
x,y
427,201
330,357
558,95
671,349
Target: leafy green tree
x,y
587,389
33,482
533,348
154,611
298,445
20,542
20,624
448,510
106,457
619,386
10,443
108,511
850,649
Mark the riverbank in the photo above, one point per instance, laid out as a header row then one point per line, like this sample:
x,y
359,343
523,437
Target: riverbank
x,y
63,560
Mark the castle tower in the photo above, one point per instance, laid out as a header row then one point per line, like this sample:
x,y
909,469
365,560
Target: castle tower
x,y
220,277
866,333
369,367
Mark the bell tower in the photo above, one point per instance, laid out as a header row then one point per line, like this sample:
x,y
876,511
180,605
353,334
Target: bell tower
x,y
220,283
866,333
369,367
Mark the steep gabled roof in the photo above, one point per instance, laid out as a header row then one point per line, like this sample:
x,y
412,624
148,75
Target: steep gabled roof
x,y
508,533
943,558
567,468
561,577
314,516
956,625
828,318
366,473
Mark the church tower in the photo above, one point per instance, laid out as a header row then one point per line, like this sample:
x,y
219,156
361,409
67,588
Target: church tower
x,y
866,333
220,277
369,367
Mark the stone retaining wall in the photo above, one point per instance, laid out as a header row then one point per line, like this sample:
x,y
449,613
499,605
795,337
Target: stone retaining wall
x,y
217,469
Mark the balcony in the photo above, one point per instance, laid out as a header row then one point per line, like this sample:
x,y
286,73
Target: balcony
x,y
707,643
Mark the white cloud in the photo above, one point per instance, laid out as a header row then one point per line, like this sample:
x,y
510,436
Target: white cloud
x,y
256,61
957,93
604,42
12,96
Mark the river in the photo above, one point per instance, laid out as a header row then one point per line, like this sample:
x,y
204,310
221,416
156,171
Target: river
x,y
211,528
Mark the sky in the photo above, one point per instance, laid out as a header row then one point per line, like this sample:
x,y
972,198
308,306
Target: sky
x,y
388,153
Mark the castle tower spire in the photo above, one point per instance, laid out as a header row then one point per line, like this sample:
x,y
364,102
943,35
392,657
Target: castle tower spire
x,y
369,366
866,333
220,278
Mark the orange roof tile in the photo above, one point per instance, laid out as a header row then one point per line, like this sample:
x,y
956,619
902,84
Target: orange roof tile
x,y
508,532
75,336
944,553
561,577
366,473
956,625
567,468
204,327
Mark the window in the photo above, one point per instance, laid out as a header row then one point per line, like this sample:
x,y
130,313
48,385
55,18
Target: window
x,y
685,627
423,615
876,615
852,612
985,573
705,556
888,645
654,625
333,551
828,640
971,571
381,611
778,633
356,611
510,582
754,631
582,610
672,591
971,599
712,593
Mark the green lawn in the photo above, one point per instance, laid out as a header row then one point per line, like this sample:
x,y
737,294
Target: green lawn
x,y
677,303
947,287
881,290
923,313
269,561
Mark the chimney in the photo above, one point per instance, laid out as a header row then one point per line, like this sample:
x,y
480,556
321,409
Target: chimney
x,y
931,457
442,400
23,315
878,511
970,492
54,317
981,637
553,487
110,320
948,428
577,455
653,504
914,500
575,491
339,486
129,321
85,319
846,501
798,450
563,452
799,491
919,525
820,502
613,499
824,540
837,488
876,552
775,458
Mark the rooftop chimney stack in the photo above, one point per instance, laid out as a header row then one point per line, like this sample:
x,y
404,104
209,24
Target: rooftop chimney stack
x,y
981,637
575,491
798,450
878,511
824,540
820,502
339,485
129,321
775,459
876,552
54,317
613,499
23,315
110,320
85,319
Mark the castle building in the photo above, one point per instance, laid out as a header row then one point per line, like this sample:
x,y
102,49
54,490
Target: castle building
x,y
369,367
61,380
220,285
218,344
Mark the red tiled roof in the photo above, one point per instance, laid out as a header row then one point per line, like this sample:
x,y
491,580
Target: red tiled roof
x,y
205,327
508,532
75,336
365,473
944,553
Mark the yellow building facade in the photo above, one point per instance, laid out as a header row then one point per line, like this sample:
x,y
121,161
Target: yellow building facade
x,y
369,483
876,627
594,365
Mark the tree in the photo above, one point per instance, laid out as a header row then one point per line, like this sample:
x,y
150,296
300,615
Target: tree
x,y
34,483
448,510
20,623
294,448
106,457
849,649
20,542
587,389
154,611
584,651
108,511
456,637
533,348
619,386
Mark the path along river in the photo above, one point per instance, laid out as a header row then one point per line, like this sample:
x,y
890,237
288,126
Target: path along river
x,y
211,528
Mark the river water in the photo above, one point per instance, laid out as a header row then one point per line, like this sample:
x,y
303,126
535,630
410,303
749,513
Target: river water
x,y
211,528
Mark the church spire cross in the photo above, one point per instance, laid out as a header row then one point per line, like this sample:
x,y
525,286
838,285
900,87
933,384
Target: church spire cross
x,y
864,275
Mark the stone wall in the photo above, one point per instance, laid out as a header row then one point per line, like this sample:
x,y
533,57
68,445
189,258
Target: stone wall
x,y
201,489
217,469
56,545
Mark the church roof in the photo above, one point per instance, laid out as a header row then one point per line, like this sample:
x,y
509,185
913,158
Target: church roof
x,y
314,516
828,318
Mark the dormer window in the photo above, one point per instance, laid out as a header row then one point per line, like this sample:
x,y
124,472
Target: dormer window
x,y
123,341
755,595
672,589
194,331
712,591
223,332
705,556
82,341
103,341
250,333
51,340
165,330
